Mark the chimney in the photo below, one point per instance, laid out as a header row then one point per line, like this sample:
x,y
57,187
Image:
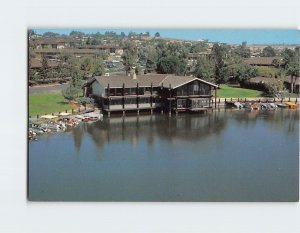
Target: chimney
x,y
133,75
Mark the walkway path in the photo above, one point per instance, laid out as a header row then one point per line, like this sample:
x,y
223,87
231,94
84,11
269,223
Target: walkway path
x,y
47,89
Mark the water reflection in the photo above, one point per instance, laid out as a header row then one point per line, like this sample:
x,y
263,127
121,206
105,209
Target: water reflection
x,y
184,127
151,128
287,119
227,155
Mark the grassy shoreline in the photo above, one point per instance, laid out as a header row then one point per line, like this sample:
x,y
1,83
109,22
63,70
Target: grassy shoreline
x,y
39,104
237,92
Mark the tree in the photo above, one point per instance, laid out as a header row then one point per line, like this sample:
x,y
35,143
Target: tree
x,y
268,52
44,73
291,65
122,34
88,41
130,56
204,69
65,56
137,70
131,35
242,50
74,88
274,88
157,34
266,72
276,63
293,71
50,34
172,65
98,67
70,93
288,56
151,63
32,74
77,34
199,47
220,54
238,71
177,49
86,66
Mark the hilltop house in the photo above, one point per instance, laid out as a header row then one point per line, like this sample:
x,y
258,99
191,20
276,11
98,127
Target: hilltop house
x,y
163,92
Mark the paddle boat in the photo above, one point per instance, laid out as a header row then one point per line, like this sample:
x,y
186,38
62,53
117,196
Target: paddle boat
x,y
291,105
282,105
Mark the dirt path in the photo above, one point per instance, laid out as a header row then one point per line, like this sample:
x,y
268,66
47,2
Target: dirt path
x,y
47,89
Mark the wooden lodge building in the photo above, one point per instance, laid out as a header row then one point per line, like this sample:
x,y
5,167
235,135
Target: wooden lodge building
x,y
162,92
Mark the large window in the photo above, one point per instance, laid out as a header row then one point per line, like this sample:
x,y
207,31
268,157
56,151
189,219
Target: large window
x,y
130,101
127,91
204,89
181,103
115,101
182,91
193,88
144,100
199,102
133,91
141,90
119,91
112,91
147,90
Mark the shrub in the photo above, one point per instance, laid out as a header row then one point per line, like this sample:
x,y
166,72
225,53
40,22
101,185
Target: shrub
x,y
85,101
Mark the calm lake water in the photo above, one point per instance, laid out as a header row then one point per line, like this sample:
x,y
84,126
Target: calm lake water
x,y
227,155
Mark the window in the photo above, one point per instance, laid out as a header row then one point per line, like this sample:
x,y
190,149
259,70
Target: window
x,y
147,90
112,91
144,100
181,103
119,91
130,101
126,91
133,91
141,91
116,101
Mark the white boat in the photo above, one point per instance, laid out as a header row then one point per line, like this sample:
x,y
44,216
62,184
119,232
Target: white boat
x,y
238,105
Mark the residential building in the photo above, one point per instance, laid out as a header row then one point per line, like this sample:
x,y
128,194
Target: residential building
x,y
164,92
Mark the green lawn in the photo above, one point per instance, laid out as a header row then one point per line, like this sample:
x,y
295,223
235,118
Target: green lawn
x,y
47,103
237,92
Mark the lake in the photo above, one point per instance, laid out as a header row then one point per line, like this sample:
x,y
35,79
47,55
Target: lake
x,y
226,155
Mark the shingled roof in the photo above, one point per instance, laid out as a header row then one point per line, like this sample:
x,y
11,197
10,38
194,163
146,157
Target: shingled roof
x,y
35,63
263,61
167,80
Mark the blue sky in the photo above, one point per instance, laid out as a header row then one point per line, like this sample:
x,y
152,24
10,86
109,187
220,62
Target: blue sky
x,y
231,36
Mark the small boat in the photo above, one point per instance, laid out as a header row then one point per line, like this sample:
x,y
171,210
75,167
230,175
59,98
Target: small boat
x,y
272,106
37,130
248,106
92,116
282,105
255,106
264,106
252,106
238,105
291,105
268,106
230,104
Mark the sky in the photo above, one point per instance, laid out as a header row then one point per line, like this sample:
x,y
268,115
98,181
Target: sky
x,y
230,36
